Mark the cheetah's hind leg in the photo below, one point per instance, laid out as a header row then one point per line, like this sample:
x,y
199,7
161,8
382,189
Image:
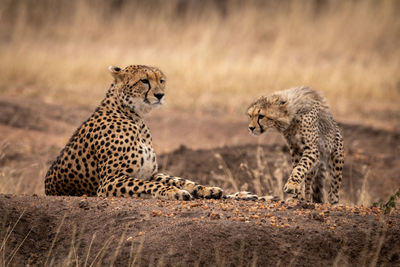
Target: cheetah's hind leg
x,y
126,186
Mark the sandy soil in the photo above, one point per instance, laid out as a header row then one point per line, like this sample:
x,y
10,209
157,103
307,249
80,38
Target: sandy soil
x,y
208,148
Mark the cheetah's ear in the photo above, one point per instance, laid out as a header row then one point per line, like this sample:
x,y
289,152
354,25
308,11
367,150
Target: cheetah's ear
x,y
116,72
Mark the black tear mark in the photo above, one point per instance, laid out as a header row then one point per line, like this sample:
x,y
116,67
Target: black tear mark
x,y
261,128
145,96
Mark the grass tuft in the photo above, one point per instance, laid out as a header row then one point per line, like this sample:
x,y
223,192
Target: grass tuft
x,y
390,204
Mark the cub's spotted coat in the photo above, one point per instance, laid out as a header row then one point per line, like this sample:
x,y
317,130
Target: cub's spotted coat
x,y
312,134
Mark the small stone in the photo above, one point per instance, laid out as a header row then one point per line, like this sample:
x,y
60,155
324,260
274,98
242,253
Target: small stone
x,y
83,204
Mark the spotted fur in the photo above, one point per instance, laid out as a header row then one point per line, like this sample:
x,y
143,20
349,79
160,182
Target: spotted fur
x,y
313,136
111,153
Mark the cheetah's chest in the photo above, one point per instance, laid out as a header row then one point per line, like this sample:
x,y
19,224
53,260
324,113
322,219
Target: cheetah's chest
x,y
147,160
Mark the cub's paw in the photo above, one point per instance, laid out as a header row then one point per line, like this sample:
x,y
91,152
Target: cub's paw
x,y
242,195
293,201
333,199
200,191
292,188
177,194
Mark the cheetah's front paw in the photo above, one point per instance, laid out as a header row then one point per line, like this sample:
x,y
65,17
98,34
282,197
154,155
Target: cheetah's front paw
x,y
177,194
292,188
201,191
242,195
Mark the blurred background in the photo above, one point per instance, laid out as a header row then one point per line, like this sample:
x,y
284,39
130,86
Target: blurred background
x,y
217,54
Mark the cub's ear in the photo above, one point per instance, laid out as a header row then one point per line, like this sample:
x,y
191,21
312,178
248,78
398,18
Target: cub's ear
x,y
279,100
116,72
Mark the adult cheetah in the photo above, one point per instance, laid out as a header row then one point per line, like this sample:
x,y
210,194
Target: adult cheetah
x,y
111,153
312,134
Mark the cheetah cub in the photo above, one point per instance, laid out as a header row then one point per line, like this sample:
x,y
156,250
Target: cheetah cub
x,y
313,136
111,153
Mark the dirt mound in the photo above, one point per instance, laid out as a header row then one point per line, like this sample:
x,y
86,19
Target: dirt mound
x,y
74,230
35,115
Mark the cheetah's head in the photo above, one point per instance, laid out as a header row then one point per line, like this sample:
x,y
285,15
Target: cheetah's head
x,y
139,87
268,112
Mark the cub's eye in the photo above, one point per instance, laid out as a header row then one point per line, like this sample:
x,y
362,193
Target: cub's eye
x,y
162,81
146,81
260,116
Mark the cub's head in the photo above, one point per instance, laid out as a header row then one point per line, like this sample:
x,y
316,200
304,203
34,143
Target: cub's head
x,y
139,87
268,112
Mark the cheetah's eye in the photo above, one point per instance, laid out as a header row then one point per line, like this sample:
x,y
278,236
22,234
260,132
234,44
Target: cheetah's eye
x,y
145,81
162,81
260,116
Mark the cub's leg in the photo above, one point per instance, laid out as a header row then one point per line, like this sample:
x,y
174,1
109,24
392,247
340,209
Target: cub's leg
x,y
307,162
193,188
299,196
126,186
318,184
295,156
335,172
307,185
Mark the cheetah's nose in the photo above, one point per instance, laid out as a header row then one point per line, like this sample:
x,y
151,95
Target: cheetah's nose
x,y
159,96
251,128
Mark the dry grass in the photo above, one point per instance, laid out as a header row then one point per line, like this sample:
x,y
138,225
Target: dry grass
x,y
266,179
5,260
19,175
217,54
